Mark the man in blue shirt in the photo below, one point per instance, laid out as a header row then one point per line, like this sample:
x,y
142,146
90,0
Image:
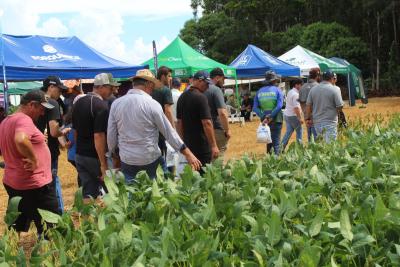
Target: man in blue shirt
x,y
268,104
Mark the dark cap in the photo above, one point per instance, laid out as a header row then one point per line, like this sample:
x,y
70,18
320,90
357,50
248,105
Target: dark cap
x,y
53,80
271,76
176,82
202,75
217,72
327,75
37,96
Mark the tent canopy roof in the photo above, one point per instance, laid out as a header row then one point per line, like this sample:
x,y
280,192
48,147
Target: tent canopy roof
x,y
185,61
253,62
29,58
346,63
306,60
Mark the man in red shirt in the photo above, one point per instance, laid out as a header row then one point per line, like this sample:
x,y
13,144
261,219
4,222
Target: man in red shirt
x,y
28,164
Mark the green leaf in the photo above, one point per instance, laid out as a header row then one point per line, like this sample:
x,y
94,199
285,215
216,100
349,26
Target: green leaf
x,y
380,209
345,226
125,234
274,231
112,188
316,224
377,132
155,191
49,216
259,258
310,256
101,223
12,212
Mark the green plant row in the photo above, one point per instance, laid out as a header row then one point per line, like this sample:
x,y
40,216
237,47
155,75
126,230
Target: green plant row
x,y
324,205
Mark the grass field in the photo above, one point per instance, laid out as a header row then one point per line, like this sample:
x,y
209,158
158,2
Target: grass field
x,y
242,141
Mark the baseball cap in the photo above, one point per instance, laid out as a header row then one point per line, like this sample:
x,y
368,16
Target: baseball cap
x,y
38,96
113,82
202,75
271,76
217,72
102,79
53,80
327,75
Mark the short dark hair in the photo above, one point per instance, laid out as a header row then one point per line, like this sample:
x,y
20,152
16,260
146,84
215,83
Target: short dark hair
x,y
163,71
295,82
139,81
314,73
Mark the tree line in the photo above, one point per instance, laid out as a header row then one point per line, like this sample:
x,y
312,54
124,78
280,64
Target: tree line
x,y
364,32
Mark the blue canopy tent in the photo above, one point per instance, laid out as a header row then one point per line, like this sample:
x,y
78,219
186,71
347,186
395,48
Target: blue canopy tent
x,y
33,58
253,62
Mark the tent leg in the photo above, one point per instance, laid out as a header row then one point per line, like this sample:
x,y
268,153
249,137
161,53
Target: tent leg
x,y
349,89
237,90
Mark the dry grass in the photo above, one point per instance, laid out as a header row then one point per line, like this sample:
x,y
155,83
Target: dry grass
x,y
243,141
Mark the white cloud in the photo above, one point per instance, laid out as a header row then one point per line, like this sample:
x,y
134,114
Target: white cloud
x,y
99,23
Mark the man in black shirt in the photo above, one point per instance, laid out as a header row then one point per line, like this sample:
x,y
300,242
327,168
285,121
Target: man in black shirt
x,y
89,119
247,106
51,121
194,120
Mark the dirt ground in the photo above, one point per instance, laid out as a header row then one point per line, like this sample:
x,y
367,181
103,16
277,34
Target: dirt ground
x,y
242,141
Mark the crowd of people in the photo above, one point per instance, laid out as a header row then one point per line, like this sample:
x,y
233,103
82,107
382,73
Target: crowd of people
x,y
140,130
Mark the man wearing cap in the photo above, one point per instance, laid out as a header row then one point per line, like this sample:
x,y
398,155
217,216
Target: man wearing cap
x,y
115,86
219,113
28,161
89,120
323,104
194,120
313,80
51,122
268,104
176,93
134,125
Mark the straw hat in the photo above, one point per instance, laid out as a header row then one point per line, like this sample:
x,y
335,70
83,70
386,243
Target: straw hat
x,y
146,74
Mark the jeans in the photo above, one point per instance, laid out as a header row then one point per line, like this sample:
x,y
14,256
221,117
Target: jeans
x,y
311,132
328,131
89,172
276,128
130,171
292,124
57,184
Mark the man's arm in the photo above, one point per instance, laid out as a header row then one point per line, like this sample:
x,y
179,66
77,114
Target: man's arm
x,y
223,115
256,108
112,135
297,111
209,131
179,128
279,104
25,148
169,113
100,145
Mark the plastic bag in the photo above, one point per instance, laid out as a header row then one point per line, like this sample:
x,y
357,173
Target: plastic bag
x,y
264,134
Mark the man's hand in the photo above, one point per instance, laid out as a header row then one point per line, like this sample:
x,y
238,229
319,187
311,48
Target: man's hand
x,y
65,131
103,169
193,161
228,134
267,120
301,121
214,152
29,164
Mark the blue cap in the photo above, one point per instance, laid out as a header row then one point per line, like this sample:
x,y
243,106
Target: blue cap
x,y
327,75
202,75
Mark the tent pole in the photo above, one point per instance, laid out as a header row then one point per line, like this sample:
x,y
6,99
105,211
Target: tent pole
x,y
3,63
349,89
237,89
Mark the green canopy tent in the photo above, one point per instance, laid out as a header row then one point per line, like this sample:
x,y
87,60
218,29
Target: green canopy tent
x,y
20,88
356,80
185,61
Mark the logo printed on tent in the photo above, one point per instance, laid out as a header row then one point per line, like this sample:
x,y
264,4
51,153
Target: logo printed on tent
x,y
244,60
55,56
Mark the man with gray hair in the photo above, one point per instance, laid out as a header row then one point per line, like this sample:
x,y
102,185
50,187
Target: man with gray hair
x,y
323,104
134,125
89,119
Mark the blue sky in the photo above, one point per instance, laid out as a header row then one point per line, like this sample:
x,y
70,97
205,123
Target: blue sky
x,y
123,29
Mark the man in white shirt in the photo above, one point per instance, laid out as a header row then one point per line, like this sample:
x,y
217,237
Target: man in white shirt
x,y
134,124
176,93
293,114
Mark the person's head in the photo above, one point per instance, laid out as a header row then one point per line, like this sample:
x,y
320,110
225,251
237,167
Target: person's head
x,y
102,85
164,75
201,80
218,77
231,97
176,83
115,85
53,87
271,78
246,96
334,78
315,74
145,80
34,104
296,83
328,76
190,79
